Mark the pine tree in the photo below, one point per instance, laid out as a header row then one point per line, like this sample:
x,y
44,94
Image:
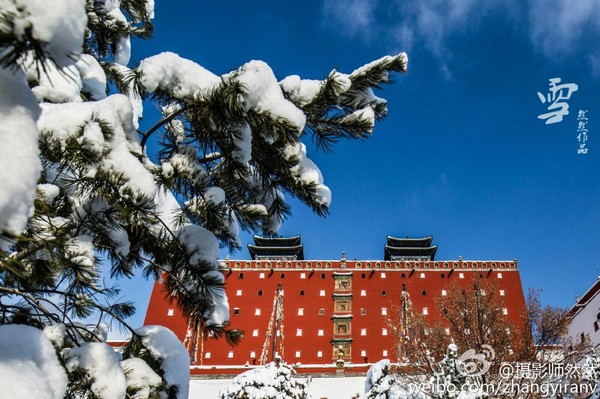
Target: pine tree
x,y
272,381
83,186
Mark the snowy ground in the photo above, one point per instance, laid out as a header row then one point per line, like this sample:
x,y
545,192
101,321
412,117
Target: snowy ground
x,y
330,388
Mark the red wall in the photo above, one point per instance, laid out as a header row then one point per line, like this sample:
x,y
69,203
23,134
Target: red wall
x,y
313,276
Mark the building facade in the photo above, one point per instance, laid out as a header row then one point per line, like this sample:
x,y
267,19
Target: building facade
x,y
584,323
317,312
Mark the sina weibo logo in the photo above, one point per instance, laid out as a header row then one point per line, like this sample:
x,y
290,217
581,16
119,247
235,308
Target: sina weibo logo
x,y
476,364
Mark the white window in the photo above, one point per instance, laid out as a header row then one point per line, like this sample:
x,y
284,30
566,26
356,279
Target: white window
x,y
319,354
278,333
322,293
382,275
207,355
384,331
230,355
384,353
255,333
461,275
300,311
239,293
384,311
363,353
257,312
297,353
262,275
444,293
482,292
363,331
504,311
170,312
499,275
320,333
252,355
507,331
502,293
422,275
298,332
425,311
302,275
363,292
447,331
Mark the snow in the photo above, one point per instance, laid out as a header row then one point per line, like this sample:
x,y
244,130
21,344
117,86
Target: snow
x,y
140,377
120,239
220,313
381,384
201,244
57,85
122,52
175,126
262,94
19,154
48,192
367,114
365,69
271,381
92,138
256,208
307,172
103,364
164,345
330,388
214,195
181,78
80,250
29,367
150,9
60,122
243,143
56,334
301,91
60,27
343,82
233,229
376,372
93,78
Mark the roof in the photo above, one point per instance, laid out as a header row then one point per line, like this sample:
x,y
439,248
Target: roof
x,y
277,241
296,252
409,242
582,302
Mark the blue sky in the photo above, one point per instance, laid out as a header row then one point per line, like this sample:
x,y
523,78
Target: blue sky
x,y
462,155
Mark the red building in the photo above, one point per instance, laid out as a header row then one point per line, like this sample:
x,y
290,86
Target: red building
x,y
316,311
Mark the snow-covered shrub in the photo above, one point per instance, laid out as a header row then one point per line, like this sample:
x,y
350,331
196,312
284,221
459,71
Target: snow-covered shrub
x,y
381,383
273,381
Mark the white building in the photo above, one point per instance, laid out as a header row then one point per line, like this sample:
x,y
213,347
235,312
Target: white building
x,y
585,317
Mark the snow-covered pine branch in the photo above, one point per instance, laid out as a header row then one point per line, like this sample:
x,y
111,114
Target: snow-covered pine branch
x,y
82,181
